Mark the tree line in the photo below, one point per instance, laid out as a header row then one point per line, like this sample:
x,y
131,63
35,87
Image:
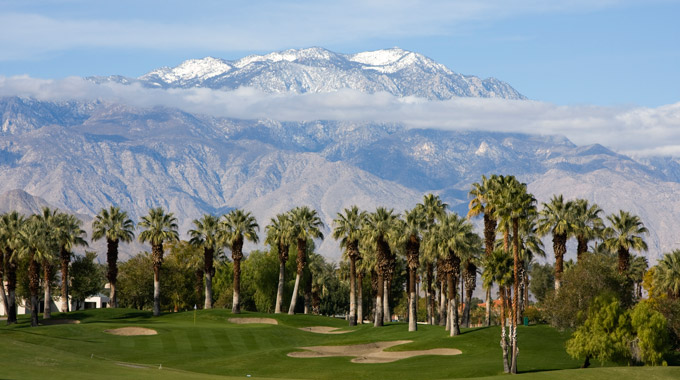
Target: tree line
x,y
388,251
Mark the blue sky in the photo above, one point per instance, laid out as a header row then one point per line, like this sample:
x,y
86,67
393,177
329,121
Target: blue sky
x,y
596,52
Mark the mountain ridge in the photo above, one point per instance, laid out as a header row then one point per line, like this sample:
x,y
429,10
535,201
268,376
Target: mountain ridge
x,y
316,70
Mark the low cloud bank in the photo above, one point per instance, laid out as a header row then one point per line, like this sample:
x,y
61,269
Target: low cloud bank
x,y
633,130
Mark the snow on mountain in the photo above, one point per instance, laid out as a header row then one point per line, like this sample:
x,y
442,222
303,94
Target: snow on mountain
x,y
396,71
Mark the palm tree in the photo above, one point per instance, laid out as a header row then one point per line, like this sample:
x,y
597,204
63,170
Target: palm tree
x,y
237,227
498,270
68,235
278,232
206,235
636,273
159,228
625,234
305,225
470,259
587,224
455,237
556,217
348,229
10,225
434,211
114,225
37,245
413,227
667,274
50,220
379,229
483,202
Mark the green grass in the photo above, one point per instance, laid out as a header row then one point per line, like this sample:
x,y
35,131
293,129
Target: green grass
x,y
213,347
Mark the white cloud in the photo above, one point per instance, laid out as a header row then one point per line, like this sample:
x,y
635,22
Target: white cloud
x,y
630,130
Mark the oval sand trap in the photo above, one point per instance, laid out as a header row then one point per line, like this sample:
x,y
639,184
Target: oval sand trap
x,y
324,330
131,331
267,321
369,352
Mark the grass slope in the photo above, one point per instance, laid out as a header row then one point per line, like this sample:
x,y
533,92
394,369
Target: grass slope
x,y
213,347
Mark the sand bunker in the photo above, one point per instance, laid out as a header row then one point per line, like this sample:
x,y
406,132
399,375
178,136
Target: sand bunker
x,y
131,331
267,321
324,330
49,322
370,352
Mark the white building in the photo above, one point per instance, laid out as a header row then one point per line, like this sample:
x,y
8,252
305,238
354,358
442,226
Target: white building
x,y
98,301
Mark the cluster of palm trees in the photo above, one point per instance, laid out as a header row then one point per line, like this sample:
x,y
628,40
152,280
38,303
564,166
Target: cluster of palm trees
x,y
41,239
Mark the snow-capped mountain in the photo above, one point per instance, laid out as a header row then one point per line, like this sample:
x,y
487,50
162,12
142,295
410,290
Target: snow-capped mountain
x,y
395,71
82,156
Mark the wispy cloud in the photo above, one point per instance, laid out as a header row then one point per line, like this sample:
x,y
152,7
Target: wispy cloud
x,y
35,29
631,130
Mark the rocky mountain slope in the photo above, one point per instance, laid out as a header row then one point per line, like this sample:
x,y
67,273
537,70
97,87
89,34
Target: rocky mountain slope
x,y
82,156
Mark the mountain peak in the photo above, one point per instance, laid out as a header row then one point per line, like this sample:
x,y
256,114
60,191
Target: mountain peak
x,y
315,69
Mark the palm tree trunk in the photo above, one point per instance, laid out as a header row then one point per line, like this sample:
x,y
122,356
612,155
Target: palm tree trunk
x,y
65,257
516,298
352,292
378,302
429,304
624,259
47,274
208,291
412,302
293,300
504,342
453,302
360,299
34,283
301,260
5,303
560,248
279,290
209,271
157,255
386,300
443,320
582,247
112,274
487,318
11,291
235,306
308,292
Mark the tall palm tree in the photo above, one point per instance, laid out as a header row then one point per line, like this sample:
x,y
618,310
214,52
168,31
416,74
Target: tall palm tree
x,y
236,227
305,225
623,235
498,269
278,235
114,225
159,228
68,234
667,274
413,226
587,224
519,204
348,230
556,217
50,220
379,229
10,225
205,234
483,202
456,236
37,245
434,210
470,259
